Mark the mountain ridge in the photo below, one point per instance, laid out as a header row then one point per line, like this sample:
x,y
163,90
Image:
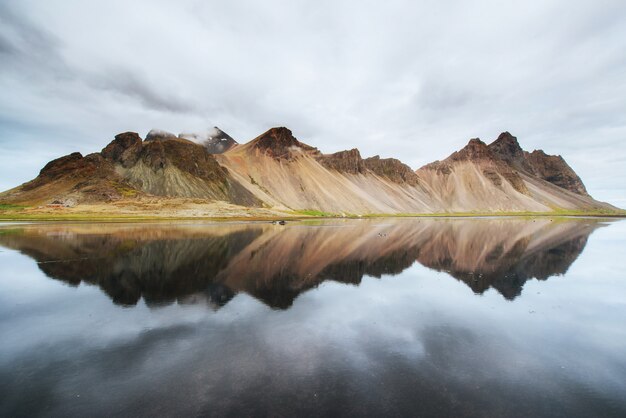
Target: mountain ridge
x,y
278,171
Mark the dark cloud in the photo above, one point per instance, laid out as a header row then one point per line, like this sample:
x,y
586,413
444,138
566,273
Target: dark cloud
x,y
413,80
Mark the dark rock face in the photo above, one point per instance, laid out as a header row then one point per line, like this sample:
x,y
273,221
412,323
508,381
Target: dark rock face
x,y
555,170
507,149
351,162
72,166
280,143
124,149
551,168
59,166
392,169
344,161
188,157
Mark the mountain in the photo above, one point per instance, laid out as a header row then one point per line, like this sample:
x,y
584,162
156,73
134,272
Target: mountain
x,y
214,140
276,171
502,176
129,168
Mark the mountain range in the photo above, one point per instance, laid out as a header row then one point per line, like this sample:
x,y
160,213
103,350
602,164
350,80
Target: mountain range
x,y
277,173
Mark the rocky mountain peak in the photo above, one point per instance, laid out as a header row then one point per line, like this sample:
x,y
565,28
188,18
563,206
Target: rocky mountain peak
x,y
506,144
474,150
214,140
280,143
507,149
124,149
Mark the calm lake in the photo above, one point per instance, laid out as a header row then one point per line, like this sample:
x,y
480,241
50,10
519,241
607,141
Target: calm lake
x,y
504,317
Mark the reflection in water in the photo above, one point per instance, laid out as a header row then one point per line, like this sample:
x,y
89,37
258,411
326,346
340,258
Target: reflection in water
x,y
415,342
211,263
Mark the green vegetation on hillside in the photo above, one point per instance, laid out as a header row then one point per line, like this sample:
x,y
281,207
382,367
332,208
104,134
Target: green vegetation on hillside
x,y
5,207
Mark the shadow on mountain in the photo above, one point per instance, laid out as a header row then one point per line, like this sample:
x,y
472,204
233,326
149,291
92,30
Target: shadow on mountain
x,y
210,264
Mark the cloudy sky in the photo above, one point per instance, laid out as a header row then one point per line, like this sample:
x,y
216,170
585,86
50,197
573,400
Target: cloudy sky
x,y
405,79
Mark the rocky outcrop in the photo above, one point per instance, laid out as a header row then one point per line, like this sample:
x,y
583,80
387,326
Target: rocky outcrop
x,y
507,149
351,162
279,143
551,168
392,169
554,169
124,149
344,161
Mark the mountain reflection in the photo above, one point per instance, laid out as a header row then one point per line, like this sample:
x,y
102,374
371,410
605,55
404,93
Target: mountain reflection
x,y
190,263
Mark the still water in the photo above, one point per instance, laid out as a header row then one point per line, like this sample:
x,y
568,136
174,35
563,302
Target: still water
x,y
406,317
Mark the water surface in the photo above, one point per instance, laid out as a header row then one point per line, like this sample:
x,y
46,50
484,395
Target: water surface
x,y
429,317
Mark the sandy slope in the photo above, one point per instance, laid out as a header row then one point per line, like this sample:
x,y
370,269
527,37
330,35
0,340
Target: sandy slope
x,y
303,183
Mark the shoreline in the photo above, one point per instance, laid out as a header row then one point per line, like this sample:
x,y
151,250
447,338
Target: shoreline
x,y
19,216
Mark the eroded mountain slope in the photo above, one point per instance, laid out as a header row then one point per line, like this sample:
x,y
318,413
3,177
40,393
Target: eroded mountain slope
x,y
276,171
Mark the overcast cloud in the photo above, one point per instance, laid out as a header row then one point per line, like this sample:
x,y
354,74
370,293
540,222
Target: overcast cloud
x,y
405,79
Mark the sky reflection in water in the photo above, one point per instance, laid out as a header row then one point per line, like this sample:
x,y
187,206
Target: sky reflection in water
x,y
484,317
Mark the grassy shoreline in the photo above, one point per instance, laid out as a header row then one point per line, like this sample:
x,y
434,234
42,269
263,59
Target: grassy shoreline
x,y
18,215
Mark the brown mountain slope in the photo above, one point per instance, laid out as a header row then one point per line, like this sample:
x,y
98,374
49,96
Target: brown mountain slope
x,y
284,172
276,170
551,168
503,177
128,167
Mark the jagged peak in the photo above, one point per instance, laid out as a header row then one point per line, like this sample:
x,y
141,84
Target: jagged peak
x,y
279,135
475,142
506,147
279,142
506,136
213,139
474,150
124,148
542,153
